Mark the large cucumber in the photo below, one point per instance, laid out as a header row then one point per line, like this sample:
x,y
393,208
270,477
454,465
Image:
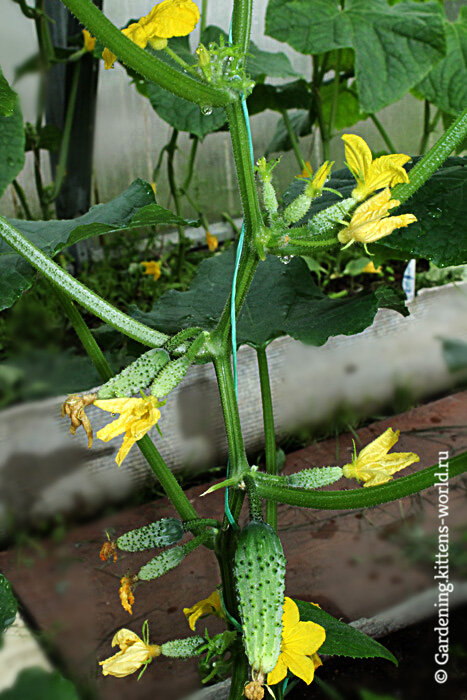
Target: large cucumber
x,y
260,580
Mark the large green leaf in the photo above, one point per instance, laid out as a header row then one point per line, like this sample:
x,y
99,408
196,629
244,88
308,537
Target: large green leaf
x,y
395,47
37,684
12,141
439,234
7,97
348,110
341,639
446,84
8,605
283,300
294,95
133,208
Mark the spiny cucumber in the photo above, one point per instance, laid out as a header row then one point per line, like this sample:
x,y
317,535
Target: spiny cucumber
x,y
161,533
260,580
136,376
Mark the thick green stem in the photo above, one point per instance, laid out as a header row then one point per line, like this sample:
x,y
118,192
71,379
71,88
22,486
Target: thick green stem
x,y
204,14
78,291
251,210
361,497
435,157
293,139
241,23
384,134
269,432
237,456
147,65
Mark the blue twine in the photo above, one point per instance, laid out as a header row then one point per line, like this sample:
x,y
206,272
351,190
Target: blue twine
x,y
233,319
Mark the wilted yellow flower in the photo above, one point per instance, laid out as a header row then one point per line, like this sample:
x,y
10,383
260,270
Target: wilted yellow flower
x,y
74,408
133,654
89,41
300,642
125,592
209,606
370,269
211,241
307,170
372,175
154,188
151,267
374,465
137,416
167,19
317,181
370,221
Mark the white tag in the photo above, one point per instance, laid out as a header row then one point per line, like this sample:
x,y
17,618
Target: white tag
x,y
408,280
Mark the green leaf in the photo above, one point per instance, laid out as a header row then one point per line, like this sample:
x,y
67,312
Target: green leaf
x,y
260,64
283,300
11,146
446,84
439,234
341,639
294,95
395,47
7,97
16,275
37,684
8,605
392,298
184,115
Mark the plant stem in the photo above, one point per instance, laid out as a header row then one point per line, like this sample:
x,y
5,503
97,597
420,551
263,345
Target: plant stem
x,y
175,57
426,127
145,64
361,497
22,198
384,134
65,142
335,94
269,432
237,456
78,291
241,23
316,84
167,480
165,477
293,139
435,157
191,164
204,15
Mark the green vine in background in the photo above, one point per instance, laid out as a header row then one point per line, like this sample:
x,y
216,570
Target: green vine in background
x,y
269,431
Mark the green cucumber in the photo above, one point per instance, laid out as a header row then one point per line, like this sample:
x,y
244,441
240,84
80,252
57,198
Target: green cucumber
x,y
260,581
136,376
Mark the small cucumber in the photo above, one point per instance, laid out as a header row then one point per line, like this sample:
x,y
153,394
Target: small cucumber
x,y
136,376
260,580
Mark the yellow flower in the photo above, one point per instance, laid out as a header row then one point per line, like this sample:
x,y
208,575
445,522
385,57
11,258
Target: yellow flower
x,y
374,466
370,220
167,19
317,182
74,407
154,188
151,267
89,41
370,269
133,654
137,416
300,642
211,241
372,175
208,606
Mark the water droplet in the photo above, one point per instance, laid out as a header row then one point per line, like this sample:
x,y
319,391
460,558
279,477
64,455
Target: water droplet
x,y
285,259
207,110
